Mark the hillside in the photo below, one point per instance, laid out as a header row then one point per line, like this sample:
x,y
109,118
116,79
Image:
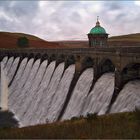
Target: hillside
x,y
120,125
9,40
125,40
129,40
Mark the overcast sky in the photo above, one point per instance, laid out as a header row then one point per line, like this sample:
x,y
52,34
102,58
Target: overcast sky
x,y
69,20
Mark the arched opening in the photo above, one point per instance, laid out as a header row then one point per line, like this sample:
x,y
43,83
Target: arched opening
x,y
106,66
131,72
31,56
44,57
37,56
87,63
60,58
70,60
52,57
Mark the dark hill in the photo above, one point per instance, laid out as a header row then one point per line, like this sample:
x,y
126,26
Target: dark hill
x,y
129,40
125,40
9,40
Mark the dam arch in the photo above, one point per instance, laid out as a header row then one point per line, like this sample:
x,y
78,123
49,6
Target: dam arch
x,y
87,62
130,72
106,65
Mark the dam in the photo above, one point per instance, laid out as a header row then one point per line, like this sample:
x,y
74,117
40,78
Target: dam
x,y
57,84
47,85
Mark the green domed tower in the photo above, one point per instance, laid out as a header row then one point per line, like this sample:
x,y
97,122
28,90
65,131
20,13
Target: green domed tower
x,y
97,36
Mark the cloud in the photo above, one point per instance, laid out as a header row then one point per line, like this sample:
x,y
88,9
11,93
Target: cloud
x,y
137,3
59,20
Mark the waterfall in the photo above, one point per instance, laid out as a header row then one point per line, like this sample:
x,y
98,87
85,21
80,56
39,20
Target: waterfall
x,y
20,85
16,81
79,94
128,98
4,60
12,71
29,95
9,64
100,97
34,109
60,95
4,89
50,91
39,90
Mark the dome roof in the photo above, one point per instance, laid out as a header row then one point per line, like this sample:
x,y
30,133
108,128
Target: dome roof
x,y
97,29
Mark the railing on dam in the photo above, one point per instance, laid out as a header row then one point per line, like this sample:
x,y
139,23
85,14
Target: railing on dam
x,y
113,50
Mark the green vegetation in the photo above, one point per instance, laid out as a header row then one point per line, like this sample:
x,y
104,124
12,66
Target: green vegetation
x,y
23,42
119,125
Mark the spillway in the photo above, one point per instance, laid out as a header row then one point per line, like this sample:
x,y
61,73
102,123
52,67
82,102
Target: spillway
x,y
37,103
12,71
38,91
31,93
19,86
79,94
128,99
4,89
100,97
16,80
50,92
8,64
4,60
60,96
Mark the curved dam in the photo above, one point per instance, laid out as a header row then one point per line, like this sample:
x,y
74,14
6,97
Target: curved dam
x,y
38,92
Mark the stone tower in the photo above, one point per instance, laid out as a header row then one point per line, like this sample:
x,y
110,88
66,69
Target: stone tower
x,y
98,36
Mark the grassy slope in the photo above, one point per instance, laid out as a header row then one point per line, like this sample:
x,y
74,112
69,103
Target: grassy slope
x,y
123,40
129,40
9,40
121,125
129,37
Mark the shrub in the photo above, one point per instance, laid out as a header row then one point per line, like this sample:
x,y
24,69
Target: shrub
x,y
23,42
74,118
91,116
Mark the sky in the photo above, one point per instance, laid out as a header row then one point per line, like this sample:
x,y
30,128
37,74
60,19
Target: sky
x,y
69,20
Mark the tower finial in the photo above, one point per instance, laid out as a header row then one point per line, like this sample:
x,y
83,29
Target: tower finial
x,y
97,23
97,18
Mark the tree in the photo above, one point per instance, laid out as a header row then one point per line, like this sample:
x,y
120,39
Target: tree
x,y
23,42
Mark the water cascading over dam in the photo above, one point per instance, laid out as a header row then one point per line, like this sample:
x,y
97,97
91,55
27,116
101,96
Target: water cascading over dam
x,y
37,91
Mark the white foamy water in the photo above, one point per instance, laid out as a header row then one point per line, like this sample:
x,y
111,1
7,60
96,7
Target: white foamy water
x,y
16,80
8,65
79,94
20,84
34,110
4,60
50,91
60,95
26,88
29,95
128,98
100,96
13,69
4,89
38,92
